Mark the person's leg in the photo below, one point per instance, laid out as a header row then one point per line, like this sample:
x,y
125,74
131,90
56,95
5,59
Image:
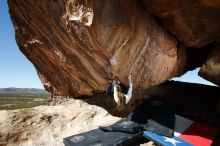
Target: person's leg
x,y
109,89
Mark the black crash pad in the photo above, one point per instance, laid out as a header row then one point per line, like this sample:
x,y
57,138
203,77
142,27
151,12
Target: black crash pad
x,y
153,115
99,137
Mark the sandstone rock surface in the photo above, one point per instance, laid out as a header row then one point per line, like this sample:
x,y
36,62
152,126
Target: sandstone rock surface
x,y
196,24
211,68
48,125
75,45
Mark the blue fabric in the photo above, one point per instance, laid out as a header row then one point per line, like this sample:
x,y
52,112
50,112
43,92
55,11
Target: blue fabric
x,y
165,141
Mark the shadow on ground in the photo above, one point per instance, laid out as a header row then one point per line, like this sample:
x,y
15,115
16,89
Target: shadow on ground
x,y
199,102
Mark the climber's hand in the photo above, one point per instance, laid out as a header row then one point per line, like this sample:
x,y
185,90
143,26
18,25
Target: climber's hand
x,y
129,77
110,81
114,82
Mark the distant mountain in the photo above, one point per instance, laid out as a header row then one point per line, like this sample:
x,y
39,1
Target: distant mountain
x,y
13,90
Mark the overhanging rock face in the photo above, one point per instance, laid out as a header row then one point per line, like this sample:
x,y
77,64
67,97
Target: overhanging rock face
x,y
76,44
211,68
194,23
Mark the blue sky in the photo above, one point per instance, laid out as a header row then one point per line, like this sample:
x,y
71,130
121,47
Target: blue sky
x,y
17,71
193,77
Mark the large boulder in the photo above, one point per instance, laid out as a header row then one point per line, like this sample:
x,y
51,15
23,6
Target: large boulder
x,y
76,44
211,68
196,24
48,125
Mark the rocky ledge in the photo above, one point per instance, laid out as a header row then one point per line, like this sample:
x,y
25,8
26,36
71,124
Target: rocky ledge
x,y
48,125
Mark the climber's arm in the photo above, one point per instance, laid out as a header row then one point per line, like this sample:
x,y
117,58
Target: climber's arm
x,y
129,94
115,92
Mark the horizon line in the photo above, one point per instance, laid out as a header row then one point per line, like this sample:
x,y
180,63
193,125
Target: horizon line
x,y
23,87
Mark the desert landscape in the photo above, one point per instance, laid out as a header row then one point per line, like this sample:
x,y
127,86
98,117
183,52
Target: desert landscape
x,y
79,47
